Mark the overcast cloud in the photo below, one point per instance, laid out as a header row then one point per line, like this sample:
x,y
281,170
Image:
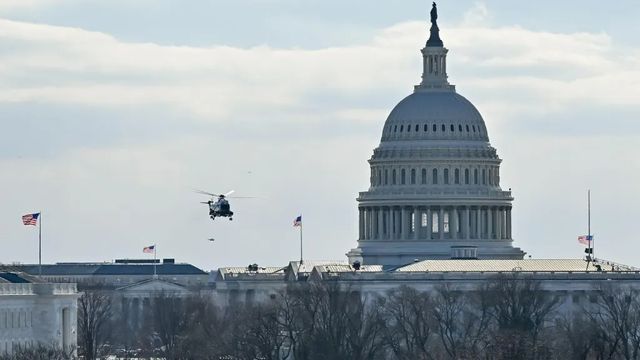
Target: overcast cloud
x,y
108,135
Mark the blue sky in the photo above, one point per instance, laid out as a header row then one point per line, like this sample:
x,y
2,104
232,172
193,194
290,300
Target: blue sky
x,y
111,111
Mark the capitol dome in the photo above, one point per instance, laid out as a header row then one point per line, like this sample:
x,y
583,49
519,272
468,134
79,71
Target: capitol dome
x,y
435,179
435,115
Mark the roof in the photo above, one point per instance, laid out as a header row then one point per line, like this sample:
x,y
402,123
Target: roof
x,y
86,269
539,265
17,278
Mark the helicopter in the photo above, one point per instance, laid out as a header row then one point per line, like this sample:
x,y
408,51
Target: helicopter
x,y
219,205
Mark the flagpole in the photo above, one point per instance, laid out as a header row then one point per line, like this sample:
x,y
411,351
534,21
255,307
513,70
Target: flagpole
x,y
155,249
40,244
301,243
592,241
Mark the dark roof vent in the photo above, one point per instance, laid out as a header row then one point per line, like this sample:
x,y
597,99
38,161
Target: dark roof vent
x,y
168,261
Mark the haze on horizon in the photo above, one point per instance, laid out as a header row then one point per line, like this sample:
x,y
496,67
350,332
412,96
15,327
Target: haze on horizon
x,y
112,111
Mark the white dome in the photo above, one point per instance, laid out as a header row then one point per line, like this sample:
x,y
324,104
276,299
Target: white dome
x,y
435,115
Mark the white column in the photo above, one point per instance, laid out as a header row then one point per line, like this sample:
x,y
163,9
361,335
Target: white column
x,y
465,223
489,223
417,221
453,223
429,222
499,223
361,227
441,223
508,223
479,220
380,223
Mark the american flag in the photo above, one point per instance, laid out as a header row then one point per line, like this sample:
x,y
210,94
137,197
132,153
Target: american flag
x,y
585,239
298,221
149,249
30,219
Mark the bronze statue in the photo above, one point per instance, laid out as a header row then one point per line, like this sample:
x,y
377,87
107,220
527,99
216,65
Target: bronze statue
x,y
434,13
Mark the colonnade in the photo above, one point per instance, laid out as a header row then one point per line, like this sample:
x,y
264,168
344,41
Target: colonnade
x,y
435,222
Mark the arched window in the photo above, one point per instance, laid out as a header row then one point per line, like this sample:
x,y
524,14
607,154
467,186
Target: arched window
x,y
402,176
435,128
401,128
490,178
443,128
393,177
408,128
466,176
475,176
423,220
379,177
467,126
424,176
474,128
456,176
426,127
417,127
452,128
446,176
386,176
413,176
395,128
484,177
460,128
434,176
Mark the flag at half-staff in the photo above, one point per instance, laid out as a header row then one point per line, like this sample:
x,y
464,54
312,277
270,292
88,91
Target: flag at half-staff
x,y
585,240
32,220
297,222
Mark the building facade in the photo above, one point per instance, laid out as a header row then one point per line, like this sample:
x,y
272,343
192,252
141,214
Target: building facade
x,y
33,312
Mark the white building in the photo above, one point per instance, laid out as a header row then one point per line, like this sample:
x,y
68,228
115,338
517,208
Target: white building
x,y
34,312
434,213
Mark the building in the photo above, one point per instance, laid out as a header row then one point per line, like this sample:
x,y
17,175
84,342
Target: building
x,y
36,312
434,213
435,179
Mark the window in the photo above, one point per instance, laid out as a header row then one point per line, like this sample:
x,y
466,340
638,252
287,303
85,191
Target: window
x,y
393,177
456,176
466,176
443,127
417,127
474,128
484,177
445,222
460,128
401,127
423,222
490,176
425,127
435,128
434,176
386,176
408,128
434,222
402,176
467,128
475,176
424,176
379,177
395,128
413,176
446,176
452,128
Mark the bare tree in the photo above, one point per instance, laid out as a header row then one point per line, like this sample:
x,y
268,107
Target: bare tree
x,y
409,323
616,315
576,337
520,308
39,352
462,320
94,314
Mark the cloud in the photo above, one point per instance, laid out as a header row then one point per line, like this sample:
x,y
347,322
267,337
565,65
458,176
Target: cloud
x,y
295,128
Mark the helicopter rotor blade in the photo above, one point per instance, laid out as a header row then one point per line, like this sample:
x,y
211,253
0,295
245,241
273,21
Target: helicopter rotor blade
x,y
241,197
203,202
229,193
204,192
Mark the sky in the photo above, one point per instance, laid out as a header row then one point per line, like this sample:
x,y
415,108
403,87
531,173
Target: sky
x,y
112,112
